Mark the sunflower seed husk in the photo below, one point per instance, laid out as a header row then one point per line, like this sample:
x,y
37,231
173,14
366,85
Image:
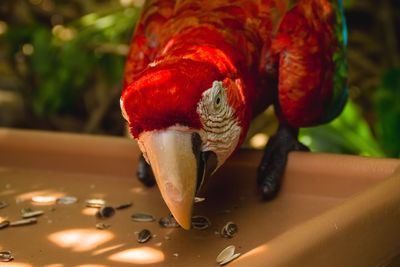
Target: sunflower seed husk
x,y
142,217
199,199
26,210
229,230
24,222
67,200
169,222
226,253
4,224
106,212
95,203
200,222
31,214
103,226
144,236
124,206
227,260
3,204
6,256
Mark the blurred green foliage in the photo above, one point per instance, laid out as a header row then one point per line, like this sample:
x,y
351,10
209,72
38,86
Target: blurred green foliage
x,y
67,57
387,106
347,134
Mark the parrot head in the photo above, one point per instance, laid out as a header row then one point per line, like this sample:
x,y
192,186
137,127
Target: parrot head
x,y
187,119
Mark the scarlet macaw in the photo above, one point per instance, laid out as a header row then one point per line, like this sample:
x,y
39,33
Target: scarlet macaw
x,y
199,71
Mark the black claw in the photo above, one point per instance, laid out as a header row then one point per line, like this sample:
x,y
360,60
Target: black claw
x,y
269,189
273,163
144,173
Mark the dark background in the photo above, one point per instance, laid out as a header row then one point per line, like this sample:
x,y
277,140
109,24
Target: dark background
x,y
61,65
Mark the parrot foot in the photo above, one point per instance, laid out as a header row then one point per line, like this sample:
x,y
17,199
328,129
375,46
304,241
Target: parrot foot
x,y
272,166
144,172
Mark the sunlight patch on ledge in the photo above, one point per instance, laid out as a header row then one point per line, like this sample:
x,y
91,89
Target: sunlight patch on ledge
x,y
16,264
90,211
91,265
140,255
43,194
256,251
80,239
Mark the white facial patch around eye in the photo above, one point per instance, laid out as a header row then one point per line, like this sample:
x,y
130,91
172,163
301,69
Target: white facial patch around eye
x,y
222,131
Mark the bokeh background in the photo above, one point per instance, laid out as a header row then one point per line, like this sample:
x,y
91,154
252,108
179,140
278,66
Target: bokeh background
x,y
62,61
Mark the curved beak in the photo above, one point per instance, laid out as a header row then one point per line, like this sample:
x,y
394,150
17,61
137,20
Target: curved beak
x,y
176,161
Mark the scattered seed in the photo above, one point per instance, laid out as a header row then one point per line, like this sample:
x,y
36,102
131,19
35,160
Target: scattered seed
x,y
175,254
124,206
142,217
200,222
95,203
4,224
226,253
24,222
169,222
144,236
105,212
199,199
167,237
235,256
44,199
6,256
26,210
229,230
3,204
31,214
68,200
103,226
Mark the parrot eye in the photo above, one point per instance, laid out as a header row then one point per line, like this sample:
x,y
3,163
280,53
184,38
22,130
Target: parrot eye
x,y
218,100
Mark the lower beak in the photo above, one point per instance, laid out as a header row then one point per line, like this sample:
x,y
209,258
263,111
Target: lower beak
x,y
174,157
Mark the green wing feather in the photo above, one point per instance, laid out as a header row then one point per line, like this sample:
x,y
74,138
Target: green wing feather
x,y
340,88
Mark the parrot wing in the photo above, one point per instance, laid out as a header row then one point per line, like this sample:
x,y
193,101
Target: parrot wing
x,y
311,46
146,39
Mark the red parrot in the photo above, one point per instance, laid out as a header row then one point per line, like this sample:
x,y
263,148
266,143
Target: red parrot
x,y
199,71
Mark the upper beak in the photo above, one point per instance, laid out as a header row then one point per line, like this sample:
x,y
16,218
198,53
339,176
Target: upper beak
x,y
176,161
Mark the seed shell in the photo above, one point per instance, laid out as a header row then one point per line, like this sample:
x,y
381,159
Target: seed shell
x,y
144,236
4,224
31,214
200,222
235,256
95,203
199,199
169,222
142,217
226,253
3,204
26,210
24,222
229,230
6,256
106,212
103,226
124,206
67,200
